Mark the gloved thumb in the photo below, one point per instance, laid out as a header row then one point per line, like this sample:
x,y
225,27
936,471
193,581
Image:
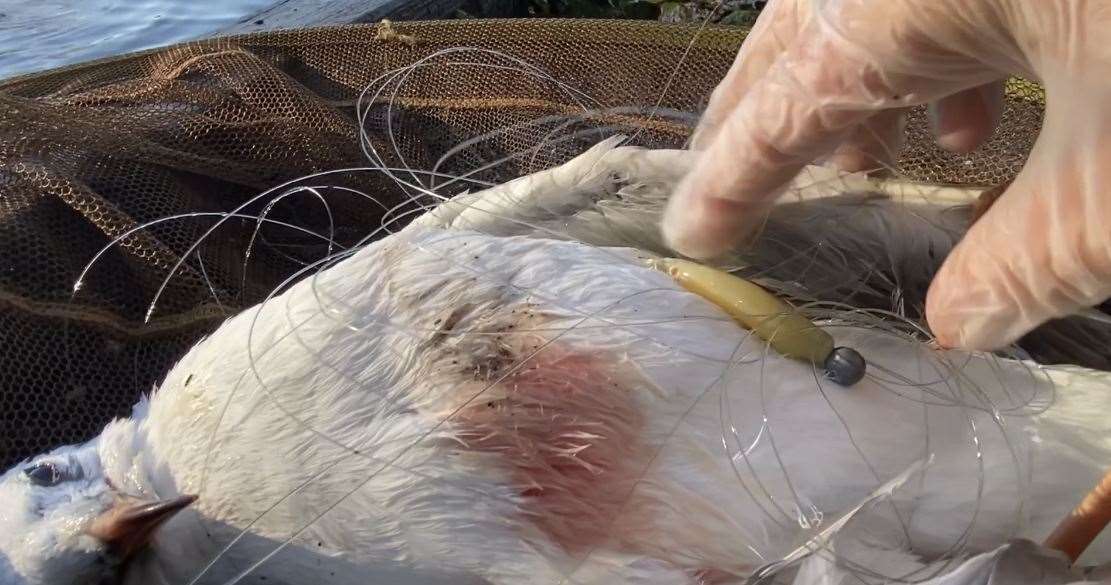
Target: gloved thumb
x,y
1042,251
966,119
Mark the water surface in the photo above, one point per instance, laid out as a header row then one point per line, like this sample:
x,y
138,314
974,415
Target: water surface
x,y
40,34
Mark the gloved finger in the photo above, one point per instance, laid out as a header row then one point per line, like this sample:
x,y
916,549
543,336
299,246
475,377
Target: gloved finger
x,y
776,29
873,145
1042,251
837,74
963,121
801,110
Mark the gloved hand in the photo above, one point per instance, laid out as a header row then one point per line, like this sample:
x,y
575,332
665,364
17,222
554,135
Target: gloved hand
x,y
832,78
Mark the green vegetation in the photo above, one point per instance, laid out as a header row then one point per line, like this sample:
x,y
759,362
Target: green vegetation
x,y
734,12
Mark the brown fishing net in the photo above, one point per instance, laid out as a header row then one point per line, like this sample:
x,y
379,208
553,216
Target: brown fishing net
x,y
88,153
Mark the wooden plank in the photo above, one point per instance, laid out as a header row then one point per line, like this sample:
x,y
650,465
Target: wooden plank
x,y
306,13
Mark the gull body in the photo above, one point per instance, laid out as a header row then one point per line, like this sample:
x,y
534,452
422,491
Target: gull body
x,y
505,392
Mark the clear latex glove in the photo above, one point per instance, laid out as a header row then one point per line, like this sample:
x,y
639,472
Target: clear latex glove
x,y
832,78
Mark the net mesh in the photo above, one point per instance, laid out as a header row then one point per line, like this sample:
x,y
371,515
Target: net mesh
x,y
89,153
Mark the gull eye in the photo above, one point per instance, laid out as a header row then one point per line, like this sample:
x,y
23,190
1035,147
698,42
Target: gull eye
x,y
44,474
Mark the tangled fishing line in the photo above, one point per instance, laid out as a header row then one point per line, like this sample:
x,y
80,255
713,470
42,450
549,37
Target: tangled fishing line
x,y
840,285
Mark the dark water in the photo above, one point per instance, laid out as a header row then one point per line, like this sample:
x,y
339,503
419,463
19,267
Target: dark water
x,y
40,34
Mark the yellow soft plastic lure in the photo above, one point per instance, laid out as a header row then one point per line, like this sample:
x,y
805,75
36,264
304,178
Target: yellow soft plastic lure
x,y
769,317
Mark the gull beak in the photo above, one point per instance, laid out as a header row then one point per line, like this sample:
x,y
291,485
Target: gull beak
x,y
129,526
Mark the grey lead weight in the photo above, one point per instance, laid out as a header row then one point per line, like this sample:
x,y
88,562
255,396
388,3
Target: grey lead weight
x,y
845,366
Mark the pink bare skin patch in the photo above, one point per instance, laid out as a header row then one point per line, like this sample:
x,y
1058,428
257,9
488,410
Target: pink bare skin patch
x,y
567,427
